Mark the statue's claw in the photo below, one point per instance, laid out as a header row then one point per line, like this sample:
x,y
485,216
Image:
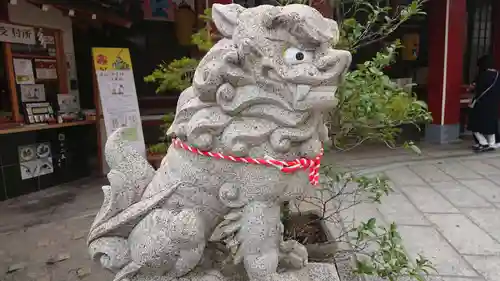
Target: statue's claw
x,y
293,254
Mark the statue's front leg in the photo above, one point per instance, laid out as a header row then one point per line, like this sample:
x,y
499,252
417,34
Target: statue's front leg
x,y
260,236
293,255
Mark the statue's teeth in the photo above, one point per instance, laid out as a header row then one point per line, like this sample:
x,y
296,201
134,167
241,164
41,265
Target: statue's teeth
x,y
302,91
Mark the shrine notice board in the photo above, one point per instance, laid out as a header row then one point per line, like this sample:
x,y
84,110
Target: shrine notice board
x,y
118,96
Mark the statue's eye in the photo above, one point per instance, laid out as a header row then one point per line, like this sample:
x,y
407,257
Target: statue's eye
x,y
294,56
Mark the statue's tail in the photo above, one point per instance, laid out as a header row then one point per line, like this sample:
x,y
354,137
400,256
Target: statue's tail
x,y
130,173
129,176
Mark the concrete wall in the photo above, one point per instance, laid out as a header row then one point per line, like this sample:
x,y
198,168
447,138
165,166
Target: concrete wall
x,y
25,13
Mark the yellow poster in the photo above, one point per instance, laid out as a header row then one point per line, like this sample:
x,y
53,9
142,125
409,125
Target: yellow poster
x,y
411,43
106,59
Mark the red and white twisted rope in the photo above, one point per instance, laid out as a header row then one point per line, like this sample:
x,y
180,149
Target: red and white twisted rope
x,y
285,166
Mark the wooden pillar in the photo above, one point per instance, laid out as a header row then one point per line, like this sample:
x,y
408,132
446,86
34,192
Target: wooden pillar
x,y
210,2
212,29
323,7
446,51
4,10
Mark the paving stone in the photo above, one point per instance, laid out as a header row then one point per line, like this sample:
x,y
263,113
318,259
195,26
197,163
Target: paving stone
x,y
430,173
457,170
481,167
487,219
452,278
428,200
489,267
487,189
464,235
44,278
459,195
79,235
361,213
396,208
44,243
493,162
494,179
430,244
404,176
460,279
58,258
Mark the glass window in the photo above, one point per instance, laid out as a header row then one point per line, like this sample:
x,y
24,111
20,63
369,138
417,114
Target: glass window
x,y
479,35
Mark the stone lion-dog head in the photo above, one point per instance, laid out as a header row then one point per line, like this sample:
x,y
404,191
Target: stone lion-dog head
x,y
264,87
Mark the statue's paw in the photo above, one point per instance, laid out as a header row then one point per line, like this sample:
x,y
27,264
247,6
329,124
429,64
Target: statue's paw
x,y
196,275
311,272
167,241
293,254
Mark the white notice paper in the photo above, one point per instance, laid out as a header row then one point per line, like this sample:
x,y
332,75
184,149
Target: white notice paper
x,y
120,106
23,70
33,93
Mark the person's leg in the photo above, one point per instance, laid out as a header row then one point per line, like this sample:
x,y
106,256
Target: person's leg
x,y
476,142
497,137
484,142
480,138
491,140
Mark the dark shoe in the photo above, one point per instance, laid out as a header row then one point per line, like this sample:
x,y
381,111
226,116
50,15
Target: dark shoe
x,y
482,148
487,148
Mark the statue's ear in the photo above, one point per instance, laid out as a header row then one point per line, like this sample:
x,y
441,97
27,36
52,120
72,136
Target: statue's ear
x,y
225,17
303,22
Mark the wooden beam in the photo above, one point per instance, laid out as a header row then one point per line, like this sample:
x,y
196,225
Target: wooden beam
x,y
11,77
82,12
98,114
4,10
62,66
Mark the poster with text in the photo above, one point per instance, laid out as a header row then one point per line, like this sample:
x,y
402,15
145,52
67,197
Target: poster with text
x,y
118,95
46,69
33,93
68,103
23,69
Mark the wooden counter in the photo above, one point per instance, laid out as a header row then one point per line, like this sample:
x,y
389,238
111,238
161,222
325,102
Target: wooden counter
x,y
29,128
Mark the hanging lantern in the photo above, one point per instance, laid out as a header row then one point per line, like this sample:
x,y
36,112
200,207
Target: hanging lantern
x,y
185,21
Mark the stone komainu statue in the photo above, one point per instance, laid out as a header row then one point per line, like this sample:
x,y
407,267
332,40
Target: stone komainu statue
x,y
244,131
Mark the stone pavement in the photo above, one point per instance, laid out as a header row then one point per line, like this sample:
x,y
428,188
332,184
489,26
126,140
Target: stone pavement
x,y
42,235
448,210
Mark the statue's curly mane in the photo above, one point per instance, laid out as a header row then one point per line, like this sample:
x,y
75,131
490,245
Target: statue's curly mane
x,y
226,111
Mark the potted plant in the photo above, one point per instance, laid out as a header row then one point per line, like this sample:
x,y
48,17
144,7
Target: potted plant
x,y
156,152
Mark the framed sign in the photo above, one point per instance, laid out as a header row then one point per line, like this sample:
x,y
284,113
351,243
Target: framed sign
x,y
23,70
33,93
46,69
17,34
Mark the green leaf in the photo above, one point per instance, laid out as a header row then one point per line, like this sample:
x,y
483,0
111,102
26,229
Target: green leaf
x,y
371,222
421,104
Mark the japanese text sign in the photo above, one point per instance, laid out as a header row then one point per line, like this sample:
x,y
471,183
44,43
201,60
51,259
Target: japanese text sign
x,y
17,34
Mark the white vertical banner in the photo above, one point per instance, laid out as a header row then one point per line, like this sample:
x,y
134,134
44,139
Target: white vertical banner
x,y
118,95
